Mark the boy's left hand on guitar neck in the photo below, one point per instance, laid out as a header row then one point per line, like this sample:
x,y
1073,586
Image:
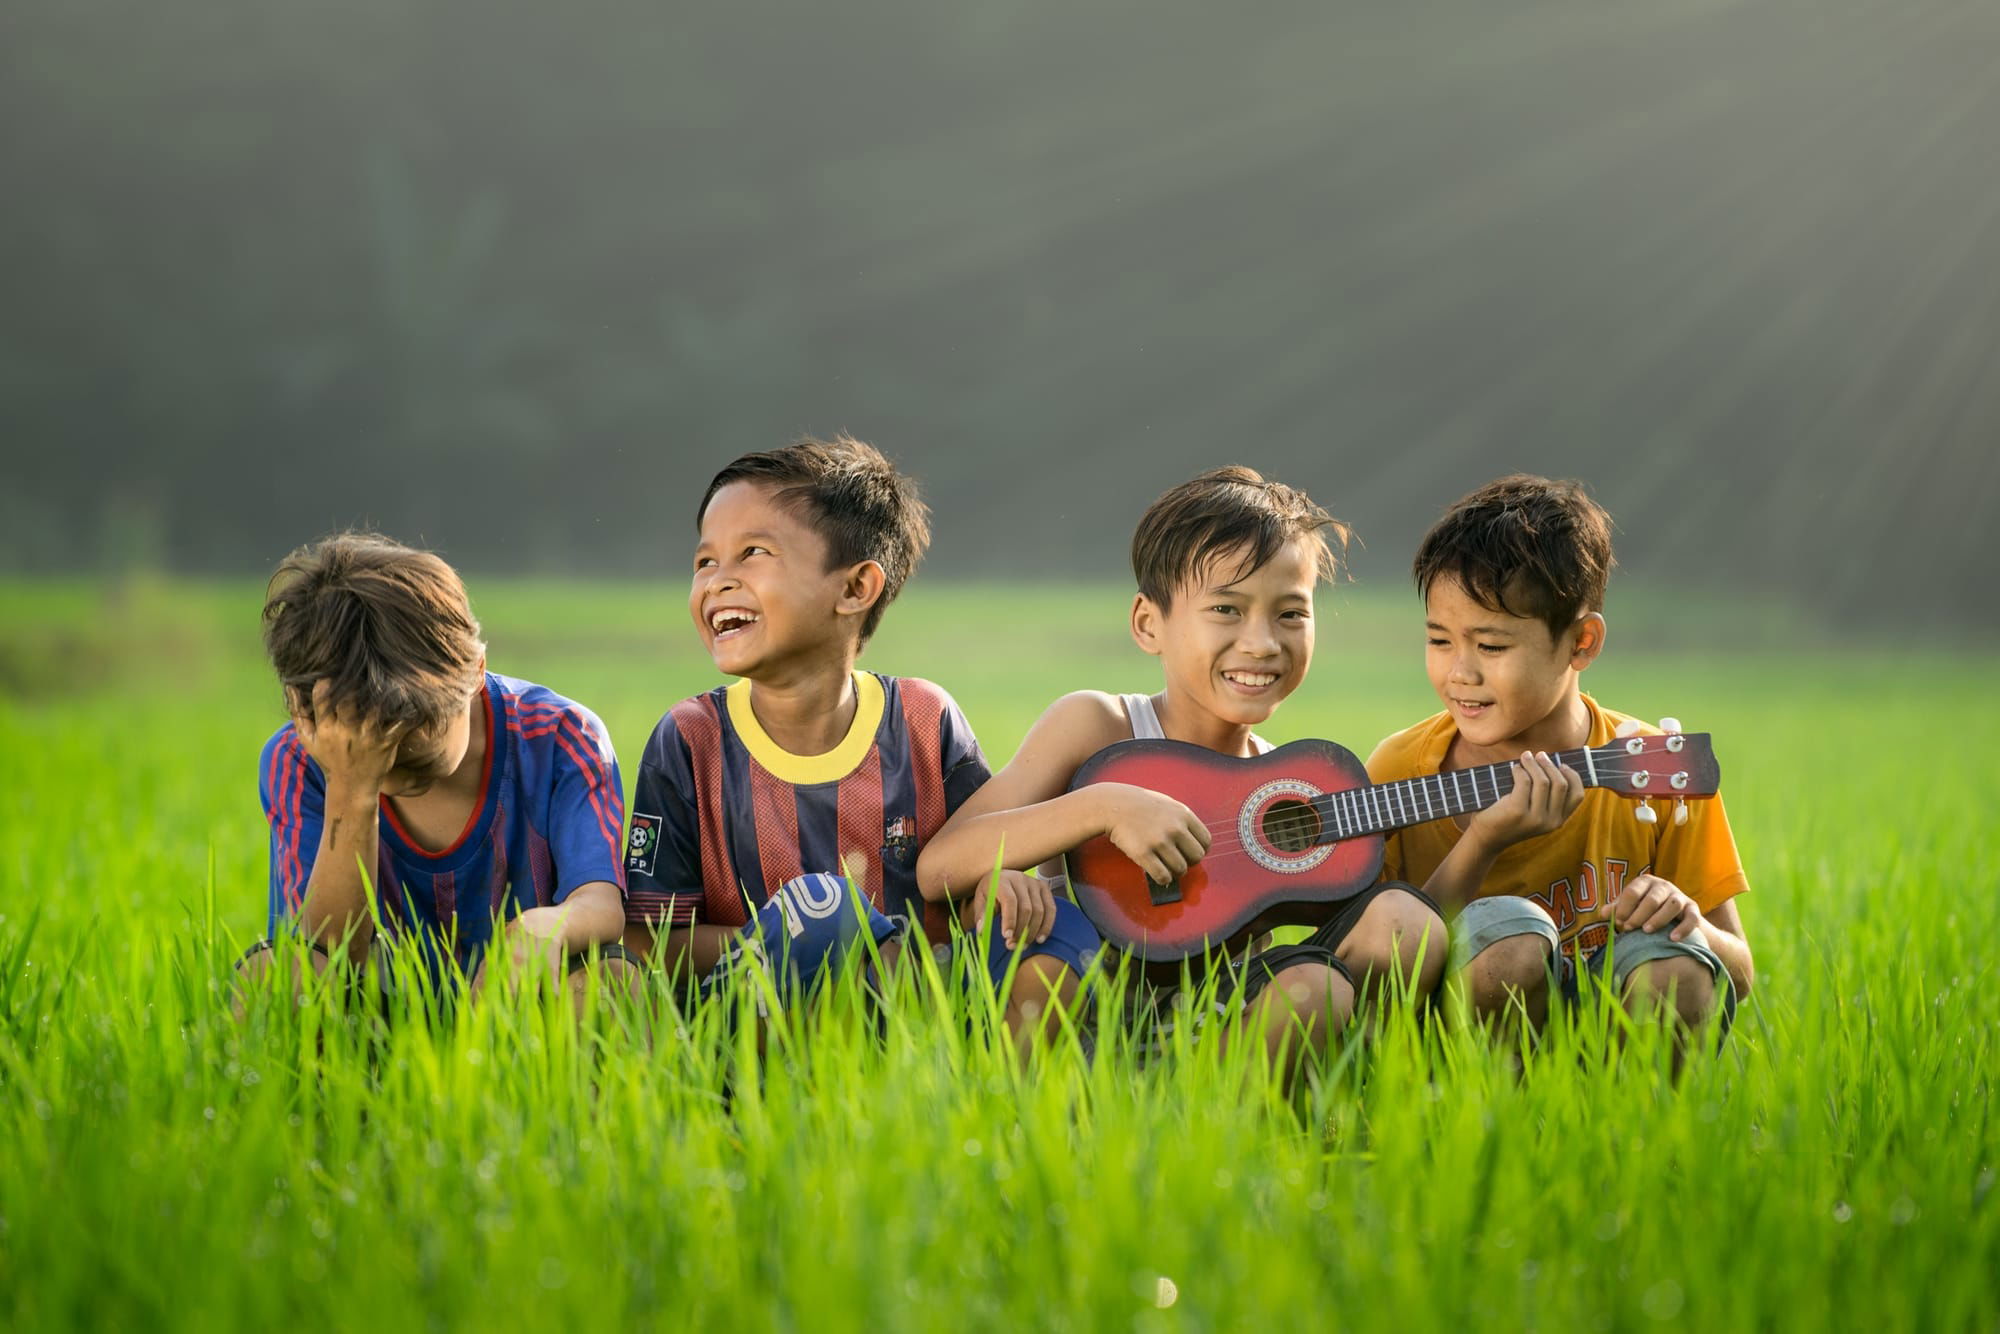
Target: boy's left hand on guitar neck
x,y
1545,794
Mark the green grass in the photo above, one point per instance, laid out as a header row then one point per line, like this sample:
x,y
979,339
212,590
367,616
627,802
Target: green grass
x,y
160,1165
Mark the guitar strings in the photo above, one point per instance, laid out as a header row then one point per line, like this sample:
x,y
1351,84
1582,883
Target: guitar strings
x,y
1617,763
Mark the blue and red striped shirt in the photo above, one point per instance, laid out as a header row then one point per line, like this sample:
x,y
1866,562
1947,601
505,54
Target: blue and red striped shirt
x,y
549,817
722,815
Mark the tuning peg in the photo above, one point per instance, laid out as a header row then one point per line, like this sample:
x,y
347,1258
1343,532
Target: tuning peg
x,y
1646,814
1680,811
1670,724
1630,727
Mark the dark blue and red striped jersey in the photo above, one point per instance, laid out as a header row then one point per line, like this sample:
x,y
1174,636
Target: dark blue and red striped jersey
x,y
550,814
722,815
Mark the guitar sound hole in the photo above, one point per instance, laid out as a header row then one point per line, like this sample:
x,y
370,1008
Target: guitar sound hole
x,y
1291,826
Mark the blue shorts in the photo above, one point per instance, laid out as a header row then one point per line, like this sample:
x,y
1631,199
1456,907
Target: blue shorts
x,y
1072,940
803,932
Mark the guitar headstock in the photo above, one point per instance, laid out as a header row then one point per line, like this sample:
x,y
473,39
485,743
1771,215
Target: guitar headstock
x,y
1674,764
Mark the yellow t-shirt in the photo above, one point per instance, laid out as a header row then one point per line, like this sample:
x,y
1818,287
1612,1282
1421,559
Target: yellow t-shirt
x,y
1573,870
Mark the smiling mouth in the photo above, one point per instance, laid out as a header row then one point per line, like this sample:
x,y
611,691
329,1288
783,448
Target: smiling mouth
x,y
1251,680
731,621
1471,705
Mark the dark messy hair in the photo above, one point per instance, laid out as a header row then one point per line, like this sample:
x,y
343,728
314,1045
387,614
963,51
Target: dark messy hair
x,y
854,499
1523,545
1222,511
387,626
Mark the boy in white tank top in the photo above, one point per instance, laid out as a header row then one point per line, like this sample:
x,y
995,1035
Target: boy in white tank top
x,y
1226,565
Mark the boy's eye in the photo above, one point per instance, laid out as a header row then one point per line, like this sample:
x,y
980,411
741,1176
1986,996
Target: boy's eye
x,y
703,562
753,551
1223,609
1492,648
1435,642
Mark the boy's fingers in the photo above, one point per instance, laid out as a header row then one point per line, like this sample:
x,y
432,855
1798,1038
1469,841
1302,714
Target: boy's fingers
x,y
1666,915
1191,847
1045,906
1199,832
1669,914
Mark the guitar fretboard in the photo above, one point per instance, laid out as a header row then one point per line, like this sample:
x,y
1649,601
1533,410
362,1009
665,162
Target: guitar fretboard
x,y
1380,807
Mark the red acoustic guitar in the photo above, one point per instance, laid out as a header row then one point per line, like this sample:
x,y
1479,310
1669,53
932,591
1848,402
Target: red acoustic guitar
x,y
1303,824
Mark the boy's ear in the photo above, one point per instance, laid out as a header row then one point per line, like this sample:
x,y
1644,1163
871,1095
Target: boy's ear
x,y
861,588
1586,640
1146,616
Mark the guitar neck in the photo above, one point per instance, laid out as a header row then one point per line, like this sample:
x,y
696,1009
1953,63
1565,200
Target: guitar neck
x,y
1381,807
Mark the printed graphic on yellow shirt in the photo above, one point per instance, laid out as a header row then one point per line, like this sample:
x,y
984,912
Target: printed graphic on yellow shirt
x,y
1574,901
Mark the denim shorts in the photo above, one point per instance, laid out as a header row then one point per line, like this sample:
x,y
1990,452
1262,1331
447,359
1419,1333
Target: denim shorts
x,y
1488,921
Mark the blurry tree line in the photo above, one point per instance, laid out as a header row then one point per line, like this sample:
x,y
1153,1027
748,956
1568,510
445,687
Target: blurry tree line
x,y
512,279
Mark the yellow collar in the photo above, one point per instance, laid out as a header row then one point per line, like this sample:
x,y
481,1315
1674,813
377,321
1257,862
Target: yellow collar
x,y
805,770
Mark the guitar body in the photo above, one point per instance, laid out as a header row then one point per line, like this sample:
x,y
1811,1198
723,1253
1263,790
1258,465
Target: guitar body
x,y
1267,847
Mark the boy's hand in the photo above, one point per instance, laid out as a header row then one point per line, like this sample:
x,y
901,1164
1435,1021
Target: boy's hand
x,y
532,941
350,748
1162,836
1023,903
1545,794
1652,904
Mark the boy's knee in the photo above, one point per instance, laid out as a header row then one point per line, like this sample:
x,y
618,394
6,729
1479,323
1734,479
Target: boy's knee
x,y
1399,931
1041,982
1314,993
1511,969
1686,984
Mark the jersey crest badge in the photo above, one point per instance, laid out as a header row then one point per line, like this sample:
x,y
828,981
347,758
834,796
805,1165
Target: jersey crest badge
x,y
642,845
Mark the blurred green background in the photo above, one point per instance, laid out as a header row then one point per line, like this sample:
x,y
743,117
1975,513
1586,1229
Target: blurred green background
x,y
513,279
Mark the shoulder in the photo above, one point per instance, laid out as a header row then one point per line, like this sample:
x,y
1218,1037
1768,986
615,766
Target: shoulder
x,y
915,693
536,713
282,753
924,704
1081,723
1604,723
1414,750
696,720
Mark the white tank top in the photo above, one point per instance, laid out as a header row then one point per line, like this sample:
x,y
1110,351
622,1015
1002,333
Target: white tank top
x,y
1145,722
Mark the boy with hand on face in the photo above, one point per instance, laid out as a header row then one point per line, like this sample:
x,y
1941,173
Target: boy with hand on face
x,y
762,806
1226,566
462,798
1513,581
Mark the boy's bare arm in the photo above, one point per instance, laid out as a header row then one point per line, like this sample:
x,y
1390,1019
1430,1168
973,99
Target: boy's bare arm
x,y
592,914
355,754
695,949
1544,795
1027,810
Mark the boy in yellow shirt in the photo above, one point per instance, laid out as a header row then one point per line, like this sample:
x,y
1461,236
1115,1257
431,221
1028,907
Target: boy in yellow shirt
x,y
1513,580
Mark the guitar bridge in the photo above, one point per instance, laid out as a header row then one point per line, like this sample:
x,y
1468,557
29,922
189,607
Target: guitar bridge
x,y
1169,892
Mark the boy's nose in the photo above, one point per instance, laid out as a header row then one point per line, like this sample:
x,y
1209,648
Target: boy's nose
x,y
1258,640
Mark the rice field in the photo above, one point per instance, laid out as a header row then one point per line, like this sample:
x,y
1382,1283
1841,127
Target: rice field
x,y
162,1166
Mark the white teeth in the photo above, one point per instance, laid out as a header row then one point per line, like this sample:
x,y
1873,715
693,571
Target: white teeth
x,y
1252,678
731,618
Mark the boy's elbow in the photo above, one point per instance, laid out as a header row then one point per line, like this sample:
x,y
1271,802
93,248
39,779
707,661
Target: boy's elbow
x,y
932,883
